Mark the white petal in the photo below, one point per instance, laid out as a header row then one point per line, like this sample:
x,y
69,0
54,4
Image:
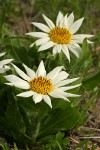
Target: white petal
x,y
21,73
46,46
11,84
57,95
42,41
21,85
59,47
75,26
71,95
54,72
75,46
70,20
61,76
2,54
59,18
65,94
79,41
6,67
37,34
6,61
37,98
65,82
47,100
66,51
41,70
13,78
80,37
32,45
69,87
26,94
61,23
73,50
65,22
2,70
90,42
49,22
30,72
41,26
55,49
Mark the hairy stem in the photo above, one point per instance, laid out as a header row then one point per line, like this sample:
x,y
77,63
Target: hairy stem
x,y
36,131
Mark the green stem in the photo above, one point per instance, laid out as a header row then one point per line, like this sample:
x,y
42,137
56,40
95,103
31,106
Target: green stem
x,y
60,148
36,131
26,146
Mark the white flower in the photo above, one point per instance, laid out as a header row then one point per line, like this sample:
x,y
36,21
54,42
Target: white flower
x,y
41,85
3,64
60,36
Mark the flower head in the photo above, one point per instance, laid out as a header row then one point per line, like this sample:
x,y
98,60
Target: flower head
x,y
3,64
41,85
60,36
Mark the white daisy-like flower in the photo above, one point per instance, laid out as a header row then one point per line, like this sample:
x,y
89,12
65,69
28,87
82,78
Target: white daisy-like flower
x,y
41,85
3,63
60,36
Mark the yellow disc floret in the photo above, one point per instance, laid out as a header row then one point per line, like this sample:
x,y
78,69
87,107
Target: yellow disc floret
x,y
41,85
60,35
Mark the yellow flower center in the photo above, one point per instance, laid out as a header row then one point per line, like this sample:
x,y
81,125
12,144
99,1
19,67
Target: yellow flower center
x,y
60,35
41,85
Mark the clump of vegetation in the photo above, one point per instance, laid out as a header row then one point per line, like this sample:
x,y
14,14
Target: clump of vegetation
x,y
31,123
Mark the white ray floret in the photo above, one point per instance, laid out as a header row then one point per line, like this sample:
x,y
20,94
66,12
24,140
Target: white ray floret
x,y
41,85
3,63
60,36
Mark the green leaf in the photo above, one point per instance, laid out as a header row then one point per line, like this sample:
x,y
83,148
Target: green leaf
x,y
15,147
3,124
58,141
32,113
3,145
17,50
84,62
91,81
20,54
75,101
83,144
84,107
15,119
59,119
